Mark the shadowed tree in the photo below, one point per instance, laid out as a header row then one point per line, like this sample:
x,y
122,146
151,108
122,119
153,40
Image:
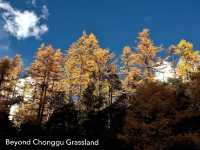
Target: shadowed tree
x,y
46,70
10,70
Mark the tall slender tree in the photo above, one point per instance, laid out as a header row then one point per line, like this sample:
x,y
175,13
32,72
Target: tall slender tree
x,y
86,60
127,59
146,57
46,70
75,62
141,63
10,70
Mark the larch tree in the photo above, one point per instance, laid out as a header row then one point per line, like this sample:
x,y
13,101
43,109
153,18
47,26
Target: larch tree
x,y
46,70
10,70
26,112
75,62
5,65
114,82
188,59
86,64
132,80
85,60
102,58
100,69
16,69
140,64
127,59
146,57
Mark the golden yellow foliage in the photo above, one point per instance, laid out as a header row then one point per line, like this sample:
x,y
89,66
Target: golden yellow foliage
x,y
188,59
10,70
85,60
47,71
142,62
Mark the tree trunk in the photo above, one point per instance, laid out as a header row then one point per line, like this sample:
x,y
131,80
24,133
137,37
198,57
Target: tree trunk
x,y
43,105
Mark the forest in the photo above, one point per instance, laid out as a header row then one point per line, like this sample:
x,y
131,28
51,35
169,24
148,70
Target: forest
x,y
82,92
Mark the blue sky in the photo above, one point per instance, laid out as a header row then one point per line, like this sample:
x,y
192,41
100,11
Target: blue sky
x,y
116,23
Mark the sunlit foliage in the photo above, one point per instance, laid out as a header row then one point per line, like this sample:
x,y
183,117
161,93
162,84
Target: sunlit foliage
x,y
85,93
189,59
47,71
85,63
141,62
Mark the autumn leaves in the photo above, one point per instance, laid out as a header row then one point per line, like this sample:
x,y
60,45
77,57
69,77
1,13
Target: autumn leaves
x,y
143,62
86,75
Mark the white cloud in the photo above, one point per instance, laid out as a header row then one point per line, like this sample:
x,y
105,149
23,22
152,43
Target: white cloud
x,y
33,2
23,24
4,40
45,12
164,72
